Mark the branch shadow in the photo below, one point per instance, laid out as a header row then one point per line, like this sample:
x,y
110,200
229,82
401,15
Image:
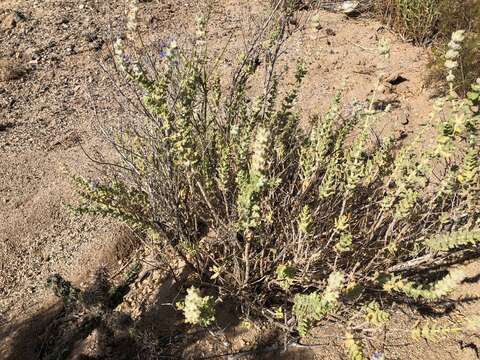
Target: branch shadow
x,y
98,330
62,331
472,279
22,339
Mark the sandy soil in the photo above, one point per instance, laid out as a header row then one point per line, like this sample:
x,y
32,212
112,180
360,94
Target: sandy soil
x,y
50,53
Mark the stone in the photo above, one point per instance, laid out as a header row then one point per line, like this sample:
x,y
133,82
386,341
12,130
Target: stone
x,y
10,21
32,54
10,70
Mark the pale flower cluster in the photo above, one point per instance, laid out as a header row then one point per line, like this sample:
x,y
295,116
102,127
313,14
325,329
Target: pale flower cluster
x,y
453,53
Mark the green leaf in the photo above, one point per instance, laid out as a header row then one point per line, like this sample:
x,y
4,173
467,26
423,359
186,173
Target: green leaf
x,y
473,95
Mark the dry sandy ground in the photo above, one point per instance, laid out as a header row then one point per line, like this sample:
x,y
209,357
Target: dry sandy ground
x,y
50,53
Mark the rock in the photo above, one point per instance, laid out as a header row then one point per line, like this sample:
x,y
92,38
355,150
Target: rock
x,y
32,54
10,21
382,89
10,70
330,32
404,119
156,275
90,36
96,45
62,20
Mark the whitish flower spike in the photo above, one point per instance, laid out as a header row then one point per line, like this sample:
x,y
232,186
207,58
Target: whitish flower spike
x,y
197,309
171,50
458,36
384,47
450,77
449,64
451,54
316,22
454,46
119,47
120,57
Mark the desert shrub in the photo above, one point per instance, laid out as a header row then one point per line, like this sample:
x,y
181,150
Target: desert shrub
x,y
455,15
433,22
416,20
458,15
313,216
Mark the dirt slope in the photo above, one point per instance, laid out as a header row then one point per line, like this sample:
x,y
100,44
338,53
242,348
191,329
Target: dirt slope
x,y
49,69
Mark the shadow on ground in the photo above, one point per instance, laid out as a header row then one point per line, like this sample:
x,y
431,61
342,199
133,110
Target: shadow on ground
x,y
87,324
58,333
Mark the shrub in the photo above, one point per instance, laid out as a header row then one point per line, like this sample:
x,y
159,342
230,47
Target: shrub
x,y
433,22
469,63
287,212
416,20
